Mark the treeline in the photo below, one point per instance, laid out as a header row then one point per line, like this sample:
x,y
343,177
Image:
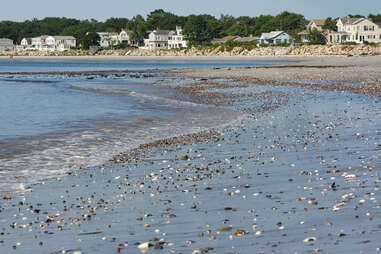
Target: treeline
x,y
199,29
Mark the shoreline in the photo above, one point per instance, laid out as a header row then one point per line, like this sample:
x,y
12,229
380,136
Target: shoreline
x,y
168,58
283,179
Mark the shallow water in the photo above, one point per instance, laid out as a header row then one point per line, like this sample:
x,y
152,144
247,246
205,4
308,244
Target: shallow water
x,y
51,124
54,66
250,179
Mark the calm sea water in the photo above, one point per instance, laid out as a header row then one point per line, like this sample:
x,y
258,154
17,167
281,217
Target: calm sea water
x,y
53,124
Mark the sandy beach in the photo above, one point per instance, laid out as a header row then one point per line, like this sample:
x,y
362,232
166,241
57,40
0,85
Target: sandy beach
x,y
299,173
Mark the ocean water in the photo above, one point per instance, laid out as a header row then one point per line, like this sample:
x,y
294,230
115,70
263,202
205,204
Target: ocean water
x,y
52,123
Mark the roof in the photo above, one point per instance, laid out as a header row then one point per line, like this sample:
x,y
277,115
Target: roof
x,y
318,22
350,21
303,32
224,39
161,32
271,35
247,39
107,34
63,37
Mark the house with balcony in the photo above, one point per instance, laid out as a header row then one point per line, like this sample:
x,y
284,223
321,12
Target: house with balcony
x,y
108,39
176,39
157,39
358,30
48,43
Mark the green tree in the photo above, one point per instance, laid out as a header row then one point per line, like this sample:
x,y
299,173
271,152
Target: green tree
x,y
138,27
200,29
227,25
90,39
316,37
356,16
330,24
164,20
375,18
114,24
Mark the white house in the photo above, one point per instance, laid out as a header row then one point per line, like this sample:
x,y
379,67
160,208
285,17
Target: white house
x,y
176,39
6,44
275,37
125,36
26,43
157,39
60,43
49,43
108,39
359,30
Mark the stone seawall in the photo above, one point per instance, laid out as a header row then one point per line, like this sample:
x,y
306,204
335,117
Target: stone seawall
x,y
313,50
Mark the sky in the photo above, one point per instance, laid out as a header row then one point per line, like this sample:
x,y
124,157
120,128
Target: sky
x,y
101,10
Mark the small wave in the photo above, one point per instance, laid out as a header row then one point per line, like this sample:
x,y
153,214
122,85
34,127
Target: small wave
x,y
137,95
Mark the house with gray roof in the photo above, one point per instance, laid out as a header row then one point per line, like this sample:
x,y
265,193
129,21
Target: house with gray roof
x,y
358,30
157,39
6,44
274,38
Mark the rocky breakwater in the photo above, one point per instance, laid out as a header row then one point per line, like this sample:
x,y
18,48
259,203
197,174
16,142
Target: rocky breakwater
x,y
305,50
316,50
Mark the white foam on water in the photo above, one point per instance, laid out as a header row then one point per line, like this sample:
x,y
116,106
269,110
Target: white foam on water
x,y
90,148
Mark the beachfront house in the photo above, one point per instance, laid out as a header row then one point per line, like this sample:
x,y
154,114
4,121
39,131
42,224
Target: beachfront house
x,y
312,25
108,39
274,38
157,39
176,39
358,30
39,42
48,43
60,43
125,36
26,44
6,44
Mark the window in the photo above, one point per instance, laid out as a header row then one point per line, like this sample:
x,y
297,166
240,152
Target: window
x,y
371,28
365,28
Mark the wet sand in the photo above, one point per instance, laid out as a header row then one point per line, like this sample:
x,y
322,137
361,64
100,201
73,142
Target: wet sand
x,y
300,174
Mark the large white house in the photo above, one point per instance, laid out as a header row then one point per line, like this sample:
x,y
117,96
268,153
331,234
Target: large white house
x,y
157,39
165,39
275,37
6,44
358,30
176,39
48,43
108,39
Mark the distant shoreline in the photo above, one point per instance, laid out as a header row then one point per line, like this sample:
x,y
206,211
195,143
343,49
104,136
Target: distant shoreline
x,y
156,58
